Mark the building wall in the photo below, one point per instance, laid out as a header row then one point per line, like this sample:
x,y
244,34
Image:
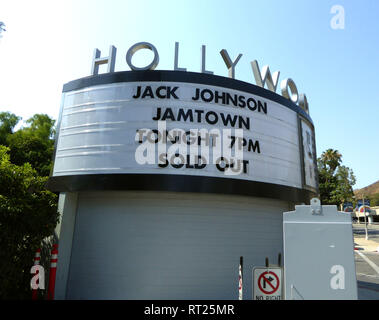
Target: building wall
x,y
167,245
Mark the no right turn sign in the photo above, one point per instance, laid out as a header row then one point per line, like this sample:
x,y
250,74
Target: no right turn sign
x,y
267,283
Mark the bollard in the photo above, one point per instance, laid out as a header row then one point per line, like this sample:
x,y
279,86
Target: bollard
x,y
53,271
240,280
37,258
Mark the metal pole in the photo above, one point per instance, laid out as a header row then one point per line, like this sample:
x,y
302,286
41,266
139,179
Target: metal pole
x,y
357,212
240,280
364,214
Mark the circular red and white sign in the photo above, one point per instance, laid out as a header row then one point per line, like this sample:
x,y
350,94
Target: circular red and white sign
x,y
268,284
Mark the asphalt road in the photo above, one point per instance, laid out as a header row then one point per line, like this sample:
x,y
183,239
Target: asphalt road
x,y
367,275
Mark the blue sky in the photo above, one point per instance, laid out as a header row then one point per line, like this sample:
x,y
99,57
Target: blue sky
x,y
48,43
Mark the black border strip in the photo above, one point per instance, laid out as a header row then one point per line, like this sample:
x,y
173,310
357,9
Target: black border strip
x,y
177,183
182,76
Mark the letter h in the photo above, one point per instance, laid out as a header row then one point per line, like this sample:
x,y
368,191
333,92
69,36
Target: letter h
x,y
96,61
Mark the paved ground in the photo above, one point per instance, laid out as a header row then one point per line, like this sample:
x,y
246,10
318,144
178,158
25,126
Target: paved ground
x,y
367,260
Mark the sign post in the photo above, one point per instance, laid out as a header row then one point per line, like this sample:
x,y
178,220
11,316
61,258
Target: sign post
x,y
362,206
364,214
267,283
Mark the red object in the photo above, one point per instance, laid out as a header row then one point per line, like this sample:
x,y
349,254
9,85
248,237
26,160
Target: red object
x,y
263,280
53,271
37,258
240,280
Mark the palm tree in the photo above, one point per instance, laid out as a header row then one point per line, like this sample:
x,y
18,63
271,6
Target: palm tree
x,y
332,158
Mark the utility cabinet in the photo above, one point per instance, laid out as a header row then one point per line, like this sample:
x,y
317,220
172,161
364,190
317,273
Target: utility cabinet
x,y
318,253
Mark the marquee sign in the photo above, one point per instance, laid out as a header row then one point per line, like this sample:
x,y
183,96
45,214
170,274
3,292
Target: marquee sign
x,y
288,87
182,131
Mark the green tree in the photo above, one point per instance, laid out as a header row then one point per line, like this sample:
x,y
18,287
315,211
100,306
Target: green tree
x,y
34,144
42,126
28,214
7,123
374,199
335,180
344,188
27,148
331,159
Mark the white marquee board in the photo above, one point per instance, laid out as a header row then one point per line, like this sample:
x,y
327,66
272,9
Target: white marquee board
x,y
98,128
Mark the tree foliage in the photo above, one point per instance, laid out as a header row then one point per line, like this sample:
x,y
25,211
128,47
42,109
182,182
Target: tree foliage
x,y
374,199
26,147
42,126
32,144
28,212
7,123
335,180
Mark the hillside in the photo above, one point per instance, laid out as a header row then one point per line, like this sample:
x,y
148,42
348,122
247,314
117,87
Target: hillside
x,y
369,190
